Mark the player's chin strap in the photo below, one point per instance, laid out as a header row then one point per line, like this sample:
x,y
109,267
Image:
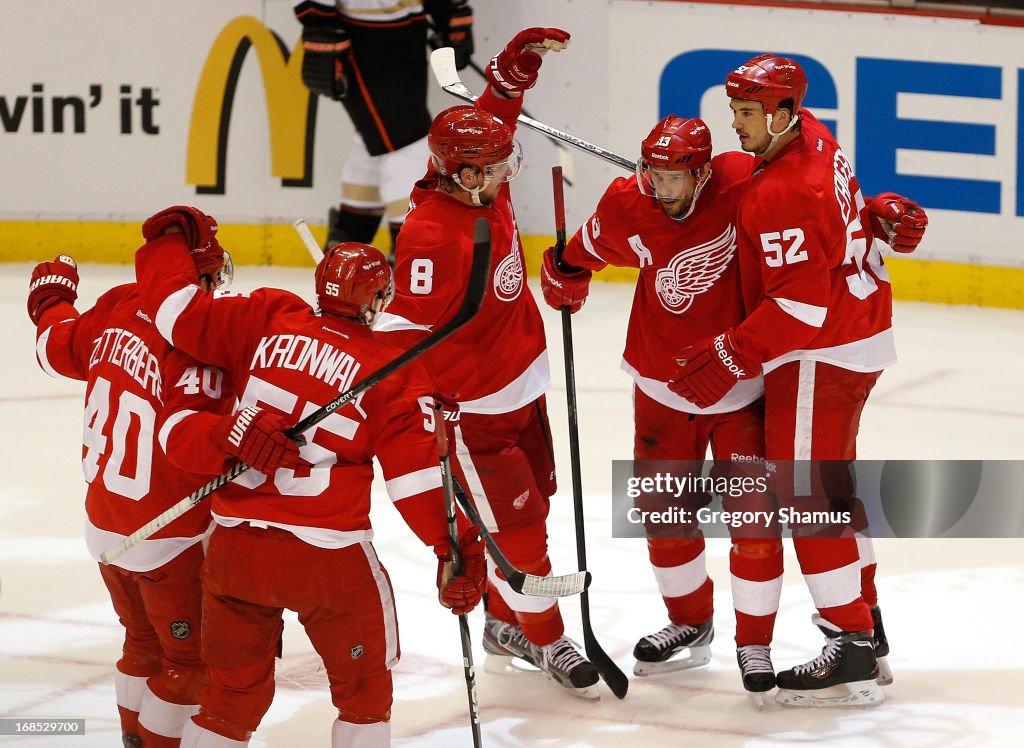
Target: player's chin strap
x,y
474,192
776,135
701,181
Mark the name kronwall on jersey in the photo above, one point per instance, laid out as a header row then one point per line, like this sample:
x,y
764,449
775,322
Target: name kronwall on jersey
x,y
303,353
129,352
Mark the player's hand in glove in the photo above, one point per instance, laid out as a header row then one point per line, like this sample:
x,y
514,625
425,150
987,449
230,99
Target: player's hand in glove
x,y
325,57
562,288
50,283
256,437
462,593
897,221
455,27
514,69
709,369
199,229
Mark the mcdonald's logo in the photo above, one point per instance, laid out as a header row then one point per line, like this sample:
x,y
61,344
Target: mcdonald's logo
x,y
291,110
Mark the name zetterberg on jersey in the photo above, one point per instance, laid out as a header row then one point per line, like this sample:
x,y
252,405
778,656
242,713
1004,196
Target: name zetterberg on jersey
x,y
303,353
128,351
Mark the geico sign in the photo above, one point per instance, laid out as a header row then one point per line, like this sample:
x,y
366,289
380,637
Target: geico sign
x,y
290,109
879,130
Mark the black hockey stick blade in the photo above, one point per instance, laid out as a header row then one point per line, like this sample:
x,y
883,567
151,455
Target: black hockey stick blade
x,y
442,63
479,273
526,584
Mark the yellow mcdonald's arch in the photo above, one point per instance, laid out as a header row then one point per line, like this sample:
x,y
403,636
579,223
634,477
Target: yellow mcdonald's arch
x,y
291,109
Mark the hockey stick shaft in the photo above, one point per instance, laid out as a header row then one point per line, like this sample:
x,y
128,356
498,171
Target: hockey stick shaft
x,y
471,301
308,239
523,583
442,63
613,676
564,154
457,567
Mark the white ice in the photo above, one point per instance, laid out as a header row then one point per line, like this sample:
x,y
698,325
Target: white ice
x,y
952,607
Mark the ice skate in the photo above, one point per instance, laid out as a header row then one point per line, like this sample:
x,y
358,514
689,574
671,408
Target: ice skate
x,y
656,652
507,648
881,648
755,661
842,675
562,662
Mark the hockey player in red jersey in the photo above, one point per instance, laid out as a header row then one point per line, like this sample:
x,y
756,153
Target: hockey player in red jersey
x,y
300,537
129,371
818,326
371,56
497,365
675,222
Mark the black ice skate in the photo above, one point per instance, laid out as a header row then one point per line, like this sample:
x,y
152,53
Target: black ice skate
x,y
758,673
654,653
560,661
881,648
842,675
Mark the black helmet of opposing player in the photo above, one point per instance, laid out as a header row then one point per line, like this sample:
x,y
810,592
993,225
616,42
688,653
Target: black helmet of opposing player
x,y
466,136
354,280
673,166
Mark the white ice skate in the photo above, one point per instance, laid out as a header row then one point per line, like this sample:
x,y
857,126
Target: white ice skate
x,y
656,653
842,675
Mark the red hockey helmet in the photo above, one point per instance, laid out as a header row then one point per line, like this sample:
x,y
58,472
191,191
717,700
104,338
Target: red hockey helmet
x,y
769,79
354,280
677,143
467,135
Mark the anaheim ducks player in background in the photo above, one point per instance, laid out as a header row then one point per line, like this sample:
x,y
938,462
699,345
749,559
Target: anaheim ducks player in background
x,y
818,327
299,537
496,367
129,372
371,55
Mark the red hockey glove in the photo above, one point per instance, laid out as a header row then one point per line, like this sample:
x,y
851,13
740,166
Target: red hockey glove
x,y
897,221
52,282
256,436
514,69
462,593
325,56
709,369
199,229
561,288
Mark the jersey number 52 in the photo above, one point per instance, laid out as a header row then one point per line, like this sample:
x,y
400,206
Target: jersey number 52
x,y
783,248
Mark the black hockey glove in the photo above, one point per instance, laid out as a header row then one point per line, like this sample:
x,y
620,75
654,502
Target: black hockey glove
x,y
325,57
458,33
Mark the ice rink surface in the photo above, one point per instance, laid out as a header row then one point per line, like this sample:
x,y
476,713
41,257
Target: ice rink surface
x,y
952,607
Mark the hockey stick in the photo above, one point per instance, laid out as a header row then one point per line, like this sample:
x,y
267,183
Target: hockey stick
x,y
613,676
456,550
475,289
308,239
523,583
564,154
442,62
